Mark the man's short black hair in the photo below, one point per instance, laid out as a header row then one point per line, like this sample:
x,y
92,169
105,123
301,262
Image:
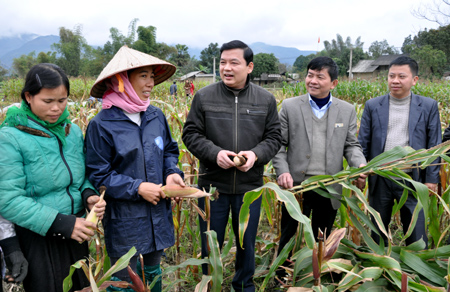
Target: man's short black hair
x,y
404,60
320,63
248,53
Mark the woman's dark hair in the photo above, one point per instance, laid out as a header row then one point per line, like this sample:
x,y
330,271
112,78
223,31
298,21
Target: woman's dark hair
x,y
248,53
320,63
44,75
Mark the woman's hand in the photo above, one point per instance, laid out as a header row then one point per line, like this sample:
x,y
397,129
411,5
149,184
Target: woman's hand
x,y
151,192
93,202
81,231
175,179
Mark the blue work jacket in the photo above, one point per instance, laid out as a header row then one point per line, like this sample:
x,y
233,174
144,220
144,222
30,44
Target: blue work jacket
x,y
120,155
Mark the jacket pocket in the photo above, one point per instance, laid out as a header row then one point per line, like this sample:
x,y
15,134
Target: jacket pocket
x,y
255,112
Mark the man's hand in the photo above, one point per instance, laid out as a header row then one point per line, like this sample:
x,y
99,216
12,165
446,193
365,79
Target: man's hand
x,y
175,179
431,187
92,202
251,158
223,160
285,180
151,192
81,230
361,181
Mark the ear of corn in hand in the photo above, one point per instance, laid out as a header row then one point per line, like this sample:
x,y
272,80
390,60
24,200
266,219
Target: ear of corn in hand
x,y
173,191
92,216
239,160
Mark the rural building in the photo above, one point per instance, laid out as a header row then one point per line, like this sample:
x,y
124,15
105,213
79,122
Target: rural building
x,y
197,76
267,79
383,61
367,69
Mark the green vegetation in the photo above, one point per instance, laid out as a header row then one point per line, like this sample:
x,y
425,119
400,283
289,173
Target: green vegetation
x,y
354,253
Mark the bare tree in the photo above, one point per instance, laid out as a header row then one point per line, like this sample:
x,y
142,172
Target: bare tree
x,y
438,11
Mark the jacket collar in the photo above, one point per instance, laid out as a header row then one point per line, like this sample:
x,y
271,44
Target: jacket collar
x,y
116,114
232,90
415,111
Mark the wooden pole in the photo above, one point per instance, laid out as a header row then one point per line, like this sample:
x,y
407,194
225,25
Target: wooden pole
x,y
214,70
350,74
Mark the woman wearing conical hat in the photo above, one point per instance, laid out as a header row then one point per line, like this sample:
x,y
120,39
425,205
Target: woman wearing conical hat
x,y
130,150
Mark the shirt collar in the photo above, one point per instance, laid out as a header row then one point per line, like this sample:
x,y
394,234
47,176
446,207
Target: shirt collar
x,y
314,105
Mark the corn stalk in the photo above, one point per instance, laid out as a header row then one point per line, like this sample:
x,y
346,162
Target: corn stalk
x,y
390,165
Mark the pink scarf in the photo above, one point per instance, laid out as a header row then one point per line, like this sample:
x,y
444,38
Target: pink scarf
x,y
120,93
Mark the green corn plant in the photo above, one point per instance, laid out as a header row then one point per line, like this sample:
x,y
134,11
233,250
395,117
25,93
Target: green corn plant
x,y
387,164
99,283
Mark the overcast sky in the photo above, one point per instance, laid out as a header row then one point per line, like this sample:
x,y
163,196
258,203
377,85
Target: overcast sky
x,y
288,23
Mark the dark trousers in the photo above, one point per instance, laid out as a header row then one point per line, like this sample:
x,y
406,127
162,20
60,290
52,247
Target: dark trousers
x,y
382,199
49,260
150,259
245,257
323,216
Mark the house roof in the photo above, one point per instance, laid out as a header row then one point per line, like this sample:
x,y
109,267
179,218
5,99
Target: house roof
x,y
204,75
193,73
385,60
364,66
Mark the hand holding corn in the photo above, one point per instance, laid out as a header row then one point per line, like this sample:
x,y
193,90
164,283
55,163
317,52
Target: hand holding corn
x,y
97,206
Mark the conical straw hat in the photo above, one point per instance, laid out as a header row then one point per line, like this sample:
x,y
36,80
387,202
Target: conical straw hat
x,y
126,59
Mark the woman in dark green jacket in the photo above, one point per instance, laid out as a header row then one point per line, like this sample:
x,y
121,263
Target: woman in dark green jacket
x,y
43,187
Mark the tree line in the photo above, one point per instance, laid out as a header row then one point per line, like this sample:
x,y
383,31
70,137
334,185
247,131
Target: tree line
x,y
78,58
72,53
430,48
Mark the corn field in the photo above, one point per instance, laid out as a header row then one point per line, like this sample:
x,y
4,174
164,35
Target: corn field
x,y
354,262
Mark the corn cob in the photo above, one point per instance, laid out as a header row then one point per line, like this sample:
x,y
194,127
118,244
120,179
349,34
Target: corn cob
x,y
173,191
239,160
92,216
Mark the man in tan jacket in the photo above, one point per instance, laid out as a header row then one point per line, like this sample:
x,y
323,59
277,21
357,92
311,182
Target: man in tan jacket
x,y
318,131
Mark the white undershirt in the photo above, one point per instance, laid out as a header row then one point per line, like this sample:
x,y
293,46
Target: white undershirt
x,y
136,117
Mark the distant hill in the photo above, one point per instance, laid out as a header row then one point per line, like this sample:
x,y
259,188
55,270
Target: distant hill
x,y
285,55
10,43
14,47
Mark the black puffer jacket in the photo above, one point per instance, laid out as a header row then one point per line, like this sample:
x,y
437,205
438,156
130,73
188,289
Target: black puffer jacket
x,y
220,120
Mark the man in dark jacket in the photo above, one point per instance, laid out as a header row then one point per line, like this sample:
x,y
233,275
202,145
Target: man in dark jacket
x,y
229,118
446,134
173,90
400,118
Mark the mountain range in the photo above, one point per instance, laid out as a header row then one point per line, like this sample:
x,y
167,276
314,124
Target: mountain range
x,y
16,46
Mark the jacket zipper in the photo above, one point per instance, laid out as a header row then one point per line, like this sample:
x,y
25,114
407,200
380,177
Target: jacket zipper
x,y
143,152
70,174
236,140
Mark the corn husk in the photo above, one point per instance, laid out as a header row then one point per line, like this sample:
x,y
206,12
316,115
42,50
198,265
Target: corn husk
x,y
173,191
92,216
239,160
